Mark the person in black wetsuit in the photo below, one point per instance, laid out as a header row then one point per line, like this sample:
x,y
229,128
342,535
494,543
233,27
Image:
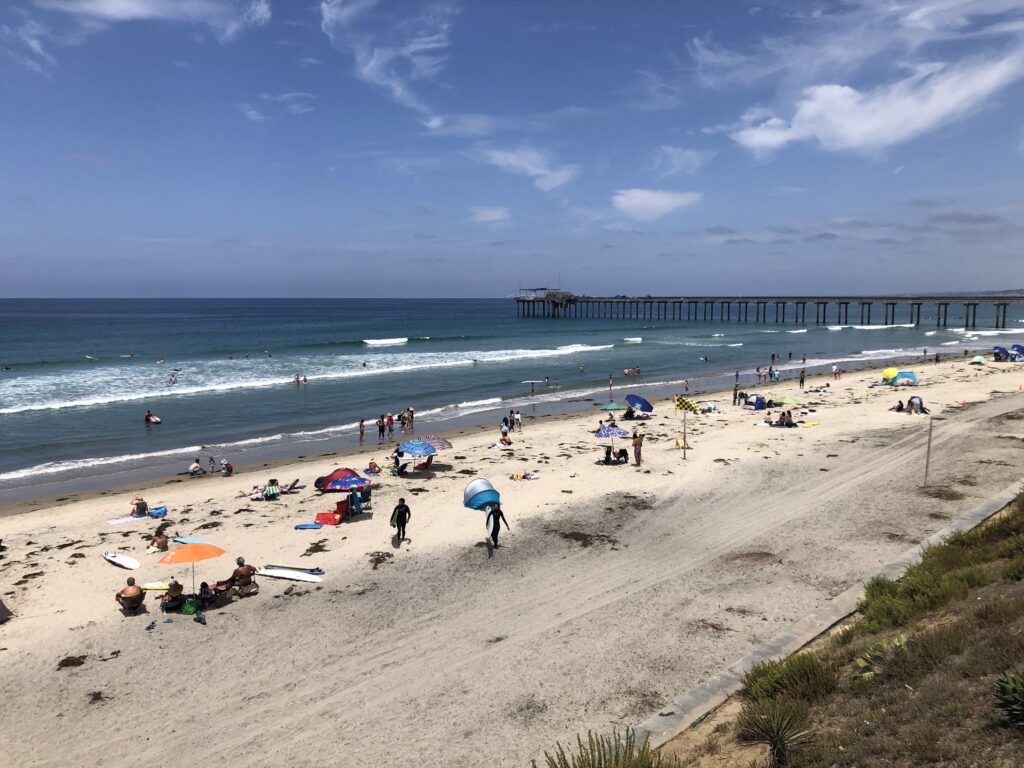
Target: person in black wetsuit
x,y
495,517
399,518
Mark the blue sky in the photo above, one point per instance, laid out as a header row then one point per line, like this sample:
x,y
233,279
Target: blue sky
x,y
375,148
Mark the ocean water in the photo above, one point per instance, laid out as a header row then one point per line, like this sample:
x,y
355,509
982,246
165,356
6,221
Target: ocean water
x,y
73,405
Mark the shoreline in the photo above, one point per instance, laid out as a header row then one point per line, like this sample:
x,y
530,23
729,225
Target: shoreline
x,y
269,459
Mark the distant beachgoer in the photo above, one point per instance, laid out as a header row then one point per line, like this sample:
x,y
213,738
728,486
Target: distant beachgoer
x,y
227,469
130,598
582,370
296,380
305,381
790,355
803,377
364,363
362,429
159,542
504,428
211,465
381,426
495,517
399,518
390,422
402,419
242,578
925,353
519,422
735,393
511,420
373,468
803,360
936,358
149,416
609,383
686,385
556,380
638,446
412,419
835,371
532,390
737,377
773,357
139,507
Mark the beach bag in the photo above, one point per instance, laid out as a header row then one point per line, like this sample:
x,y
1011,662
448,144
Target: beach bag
x,y
328,518
190,607
158,512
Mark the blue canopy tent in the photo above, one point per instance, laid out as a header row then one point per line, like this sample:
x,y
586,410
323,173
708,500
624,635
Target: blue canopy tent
x,y
1018,349
905,377
1000,353
759,403
417,448
480,494
639,403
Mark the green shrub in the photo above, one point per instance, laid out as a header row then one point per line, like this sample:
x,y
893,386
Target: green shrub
x,y
1009,694
615,751
927,650
781,724
1014,569
804,676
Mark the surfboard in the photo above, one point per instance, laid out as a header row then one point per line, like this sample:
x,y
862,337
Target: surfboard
x,y
121,561
155,585
309,526
191,540
284,573
305,568
153,420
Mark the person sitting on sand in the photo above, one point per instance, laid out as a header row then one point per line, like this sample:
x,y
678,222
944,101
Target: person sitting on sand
x,y
272,492
505,440
607,454
159,542
430,460
130,598
374,468
898,407
630,414
789,419
139,507
254,494
226,468
241,578
174,598
196,468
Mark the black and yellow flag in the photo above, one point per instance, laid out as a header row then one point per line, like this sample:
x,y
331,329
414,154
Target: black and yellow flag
x,y
685,404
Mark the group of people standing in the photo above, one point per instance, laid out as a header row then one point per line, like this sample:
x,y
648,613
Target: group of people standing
x,y
386,425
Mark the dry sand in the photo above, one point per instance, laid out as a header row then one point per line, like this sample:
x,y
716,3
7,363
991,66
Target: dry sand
x,y
616,588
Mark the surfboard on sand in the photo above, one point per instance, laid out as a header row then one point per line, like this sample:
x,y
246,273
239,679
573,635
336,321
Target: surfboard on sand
x,y
304,568
309,526
121,561
155,585
284,573
191,540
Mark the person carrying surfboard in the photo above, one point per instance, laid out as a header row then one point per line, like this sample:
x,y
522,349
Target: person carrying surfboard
x,y
495,517
399,518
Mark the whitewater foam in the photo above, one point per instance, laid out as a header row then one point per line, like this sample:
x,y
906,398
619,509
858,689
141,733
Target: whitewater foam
x,y
386,342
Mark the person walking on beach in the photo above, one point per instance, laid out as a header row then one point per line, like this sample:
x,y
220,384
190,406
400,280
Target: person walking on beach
x,y
737,377
380,428
401,515
512,420
362,430
390,425
735,393
609,385
519,422
495,517
686,386
412,418
803,377
803,360
638,446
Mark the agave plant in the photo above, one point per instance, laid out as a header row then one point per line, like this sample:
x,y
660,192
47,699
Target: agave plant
x,y
779,723
615,751
1009,693
873,661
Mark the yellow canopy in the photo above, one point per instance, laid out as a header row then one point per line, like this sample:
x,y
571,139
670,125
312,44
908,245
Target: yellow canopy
x,y
889,374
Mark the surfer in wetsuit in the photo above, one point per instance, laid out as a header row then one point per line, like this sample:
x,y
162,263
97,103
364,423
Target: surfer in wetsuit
x,y
399,518
495,517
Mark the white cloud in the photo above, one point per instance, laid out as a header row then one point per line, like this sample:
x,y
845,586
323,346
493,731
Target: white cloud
x,y
253,115
476,124
394,53
651,204
838,117
680,161
489,215
225,17
309,61
531,162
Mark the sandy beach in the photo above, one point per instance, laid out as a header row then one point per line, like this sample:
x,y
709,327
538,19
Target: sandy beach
x,y
615,589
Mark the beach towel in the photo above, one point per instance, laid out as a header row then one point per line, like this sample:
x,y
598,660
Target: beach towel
x,y
123,520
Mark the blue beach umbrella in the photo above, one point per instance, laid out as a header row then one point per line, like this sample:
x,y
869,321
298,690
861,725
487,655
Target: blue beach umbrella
x,y
417,448
639,403
610,433
905,377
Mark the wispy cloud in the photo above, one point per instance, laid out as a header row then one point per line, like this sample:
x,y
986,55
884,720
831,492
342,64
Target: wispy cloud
x,y
476,124
252,114
489,215
525,160
838,117
390,53
862,75
965,217
309,61
680,161
651,204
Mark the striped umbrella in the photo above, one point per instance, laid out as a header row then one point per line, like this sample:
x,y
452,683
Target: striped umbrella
x,y
438,442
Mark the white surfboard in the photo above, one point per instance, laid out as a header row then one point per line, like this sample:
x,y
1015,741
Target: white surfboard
x,y
156,585
305,568
285,573
121,561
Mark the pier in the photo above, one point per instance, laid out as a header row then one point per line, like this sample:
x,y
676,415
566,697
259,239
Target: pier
x,y
888,310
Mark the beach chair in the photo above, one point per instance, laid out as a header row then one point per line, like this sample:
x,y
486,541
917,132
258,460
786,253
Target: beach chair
x,y
292,487
401,470
364,497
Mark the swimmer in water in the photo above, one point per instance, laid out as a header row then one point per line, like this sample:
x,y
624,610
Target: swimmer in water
x,y
160,361
8,368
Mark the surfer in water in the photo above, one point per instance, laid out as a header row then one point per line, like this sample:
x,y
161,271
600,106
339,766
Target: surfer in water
x,y
399,517
150,418
495,517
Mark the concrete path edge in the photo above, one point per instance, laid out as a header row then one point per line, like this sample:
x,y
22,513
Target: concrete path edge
x,y
690,708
